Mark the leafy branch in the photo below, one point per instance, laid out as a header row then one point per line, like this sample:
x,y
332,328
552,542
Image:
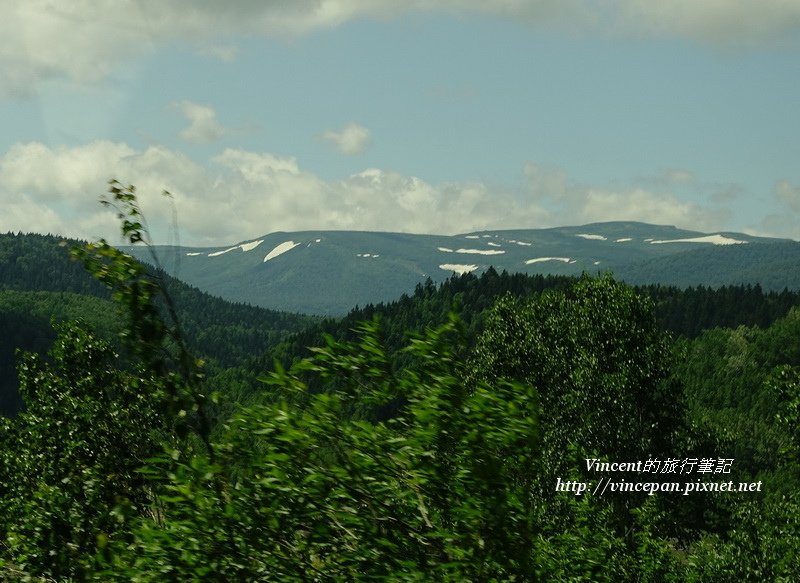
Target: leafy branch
x,y
160,344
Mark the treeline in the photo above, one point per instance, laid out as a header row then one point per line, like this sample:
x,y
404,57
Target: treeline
x,y
682,312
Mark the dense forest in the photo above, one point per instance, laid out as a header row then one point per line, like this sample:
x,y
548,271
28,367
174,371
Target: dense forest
x,y
40,284
442,437
684,312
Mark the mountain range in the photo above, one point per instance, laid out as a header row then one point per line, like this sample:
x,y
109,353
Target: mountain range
x,y
330,272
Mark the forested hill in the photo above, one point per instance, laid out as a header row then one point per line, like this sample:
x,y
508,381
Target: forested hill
x,y
32,262
39,282
683,312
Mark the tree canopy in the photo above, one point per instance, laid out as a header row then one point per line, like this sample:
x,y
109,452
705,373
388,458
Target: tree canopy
x,y
434,461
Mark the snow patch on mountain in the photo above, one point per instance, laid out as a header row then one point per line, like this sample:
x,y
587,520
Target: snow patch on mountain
x,y
481,251
251,245
244,247
459,268
194,254
445,250
543,259
280,250
523,243
218,253
623,240
591,237
472,237
494,244
713,239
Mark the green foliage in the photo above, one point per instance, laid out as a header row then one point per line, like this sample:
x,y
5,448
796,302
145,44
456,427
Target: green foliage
x,y
309,492
39,283
41,262
158,342
25,318
600,364
434,462
784,386
762,546
685,312
73,455
737,382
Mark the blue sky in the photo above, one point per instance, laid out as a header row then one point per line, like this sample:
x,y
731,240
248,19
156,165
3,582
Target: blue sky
x,y
435,117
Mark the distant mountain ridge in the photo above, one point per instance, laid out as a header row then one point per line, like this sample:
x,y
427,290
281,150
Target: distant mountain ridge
x,y
330,272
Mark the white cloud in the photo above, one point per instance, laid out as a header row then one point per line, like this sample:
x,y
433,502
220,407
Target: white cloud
x,y
350,140
57,189
240,195
19,211
46,172
641,205
203,125
85,40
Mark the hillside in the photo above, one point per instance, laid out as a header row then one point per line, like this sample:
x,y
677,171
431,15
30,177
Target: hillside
x,y
330,272
773,266
39,283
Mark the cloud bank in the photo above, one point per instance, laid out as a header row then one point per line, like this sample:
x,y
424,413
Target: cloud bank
x,y
240,195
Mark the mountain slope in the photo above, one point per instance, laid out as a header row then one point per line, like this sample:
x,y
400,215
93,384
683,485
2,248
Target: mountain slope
x,y
329,272
774,266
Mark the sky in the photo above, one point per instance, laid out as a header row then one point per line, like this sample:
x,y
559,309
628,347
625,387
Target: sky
x,y
435,116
